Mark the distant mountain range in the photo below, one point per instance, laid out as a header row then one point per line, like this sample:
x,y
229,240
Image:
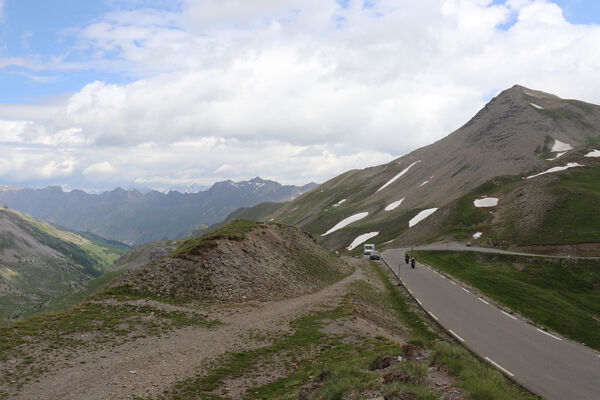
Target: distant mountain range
x,y
429,194
132,217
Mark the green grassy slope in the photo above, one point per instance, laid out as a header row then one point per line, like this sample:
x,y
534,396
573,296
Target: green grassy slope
x,y
564,297
559,208
40,262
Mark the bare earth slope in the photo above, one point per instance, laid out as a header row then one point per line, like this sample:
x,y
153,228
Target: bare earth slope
x,y
268,261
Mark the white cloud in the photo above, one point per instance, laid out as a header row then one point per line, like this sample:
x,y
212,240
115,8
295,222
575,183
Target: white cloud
x,y
295,90
100,168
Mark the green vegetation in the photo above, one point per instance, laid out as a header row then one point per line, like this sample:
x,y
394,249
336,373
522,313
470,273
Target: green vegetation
x,y
70,300
232,231
563,296
544,152
574,217
199,230
95,254
481,382
465,217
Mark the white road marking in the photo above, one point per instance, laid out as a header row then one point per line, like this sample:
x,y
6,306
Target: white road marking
x,y
458,337
499,367
505,313
434,317
454,283
466,290
482,300
546,333
410,291
419,301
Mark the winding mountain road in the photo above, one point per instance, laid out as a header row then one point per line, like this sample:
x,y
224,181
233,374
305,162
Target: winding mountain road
x,y
544,362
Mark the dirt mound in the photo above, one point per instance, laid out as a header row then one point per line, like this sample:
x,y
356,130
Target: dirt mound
x,y
241,261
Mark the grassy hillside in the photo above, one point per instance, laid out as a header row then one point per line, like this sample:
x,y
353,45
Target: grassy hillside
x,y
563,296
556,209
91,251
40,262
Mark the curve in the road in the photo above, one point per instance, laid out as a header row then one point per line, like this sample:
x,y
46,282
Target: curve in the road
x,y
541,361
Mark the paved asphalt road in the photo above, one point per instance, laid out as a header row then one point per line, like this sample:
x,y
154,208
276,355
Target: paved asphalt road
x,y
543,362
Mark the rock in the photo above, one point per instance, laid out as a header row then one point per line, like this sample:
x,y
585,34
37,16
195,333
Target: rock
x,y
396,376
307,390
411,351
382,361
133,372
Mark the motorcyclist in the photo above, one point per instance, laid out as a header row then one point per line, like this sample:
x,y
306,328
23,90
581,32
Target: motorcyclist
x,y
407,258
413,262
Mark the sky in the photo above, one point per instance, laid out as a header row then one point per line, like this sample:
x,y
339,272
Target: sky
x,y
165,94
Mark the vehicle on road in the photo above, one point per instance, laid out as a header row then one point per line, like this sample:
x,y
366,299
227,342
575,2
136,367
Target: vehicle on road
x,y
468,244
374,255
368,249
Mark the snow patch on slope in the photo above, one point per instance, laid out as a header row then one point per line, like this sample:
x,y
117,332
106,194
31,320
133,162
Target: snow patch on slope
x,y
595,153
398,176
486,202
361,239
393,205
536,106
427,181
339,203
556,169
346,222
560,146
421,216
556,156
477,235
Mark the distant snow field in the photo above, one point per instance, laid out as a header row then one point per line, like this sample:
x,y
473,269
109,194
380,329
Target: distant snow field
x,y
361,239
536,106
595,153
477,235
486,202
346,222
398,176
421,216
393,205
556,169
560,146
339,203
